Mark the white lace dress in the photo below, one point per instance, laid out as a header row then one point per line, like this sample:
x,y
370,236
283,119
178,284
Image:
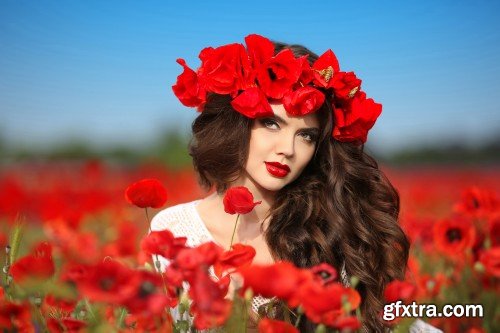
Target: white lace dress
x,y
183,220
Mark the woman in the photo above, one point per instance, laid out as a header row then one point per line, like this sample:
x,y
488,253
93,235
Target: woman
x,y
290,126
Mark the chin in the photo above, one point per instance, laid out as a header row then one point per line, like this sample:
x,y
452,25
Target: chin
x,y
274,184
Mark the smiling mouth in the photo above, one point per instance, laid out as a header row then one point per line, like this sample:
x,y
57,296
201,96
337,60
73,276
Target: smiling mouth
x,y
277,169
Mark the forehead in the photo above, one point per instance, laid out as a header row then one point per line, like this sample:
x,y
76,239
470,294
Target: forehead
x,y
309,120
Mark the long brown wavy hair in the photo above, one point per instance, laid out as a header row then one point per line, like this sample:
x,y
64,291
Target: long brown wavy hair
x,y
341,210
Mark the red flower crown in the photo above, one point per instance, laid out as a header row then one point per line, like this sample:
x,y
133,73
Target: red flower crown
x,y
255,75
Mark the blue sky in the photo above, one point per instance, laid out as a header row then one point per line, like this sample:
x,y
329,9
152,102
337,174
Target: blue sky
x,y
102,70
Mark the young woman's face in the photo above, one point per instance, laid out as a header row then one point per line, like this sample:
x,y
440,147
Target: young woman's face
x,y
280,148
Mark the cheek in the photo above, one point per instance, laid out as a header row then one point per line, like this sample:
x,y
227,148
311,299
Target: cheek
x,y
259,143
305,152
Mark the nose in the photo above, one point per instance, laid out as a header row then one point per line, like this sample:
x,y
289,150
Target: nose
x,y
285,145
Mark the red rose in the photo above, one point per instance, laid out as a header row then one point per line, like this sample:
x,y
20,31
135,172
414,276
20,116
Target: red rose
x,y
252,103
324,68
239,200
267,325
454,236
260,49
146,193
225,70
491,261
399,290
303,101
355,118
277,75
345,85
38,265
187,88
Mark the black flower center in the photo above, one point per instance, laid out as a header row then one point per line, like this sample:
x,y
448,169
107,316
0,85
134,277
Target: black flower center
x,y
454,235
146,289
107,283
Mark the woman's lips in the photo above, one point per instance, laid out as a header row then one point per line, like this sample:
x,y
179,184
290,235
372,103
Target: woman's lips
x,y
277,169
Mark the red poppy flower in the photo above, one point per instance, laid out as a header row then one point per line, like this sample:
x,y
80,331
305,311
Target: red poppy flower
x,y
146,193
345,85
65,325
59,304
494,230
491,261
74,272
478,201
225,69
306,74
267,325
38,265
190,259
399,290
188,88
355,118
454,236
252,103
303,101
240,255
278,74
324,302
15,317
203,255
430,286
239,200
281,279
350,323
260,49
326,273
210,308
324,68
110,282
162,243
149,296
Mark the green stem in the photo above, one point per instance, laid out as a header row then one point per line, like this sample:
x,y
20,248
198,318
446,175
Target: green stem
x,y
234,231
298,320
155,256
147,219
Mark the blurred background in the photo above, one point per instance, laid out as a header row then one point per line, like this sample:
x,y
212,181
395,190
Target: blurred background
x,y
92,78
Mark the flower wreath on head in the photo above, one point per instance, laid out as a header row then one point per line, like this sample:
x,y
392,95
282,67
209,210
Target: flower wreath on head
x,y
254,75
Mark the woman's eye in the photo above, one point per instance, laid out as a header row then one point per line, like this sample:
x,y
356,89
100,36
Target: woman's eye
x,y
308,137
269,123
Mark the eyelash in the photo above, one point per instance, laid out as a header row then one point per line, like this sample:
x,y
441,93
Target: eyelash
x,y
269,123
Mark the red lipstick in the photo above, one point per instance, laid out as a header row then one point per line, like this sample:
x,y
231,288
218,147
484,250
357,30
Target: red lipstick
x,y
277,169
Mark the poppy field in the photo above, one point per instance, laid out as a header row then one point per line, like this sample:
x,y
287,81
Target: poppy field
x,y
78,255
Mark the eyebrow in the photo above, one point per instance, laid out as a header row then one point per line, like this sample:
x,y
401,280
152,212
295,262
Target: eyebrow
x,y
283,121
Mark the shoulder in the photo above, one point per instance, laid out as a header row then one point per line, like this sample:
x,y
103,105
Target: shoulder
x,y
170,217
